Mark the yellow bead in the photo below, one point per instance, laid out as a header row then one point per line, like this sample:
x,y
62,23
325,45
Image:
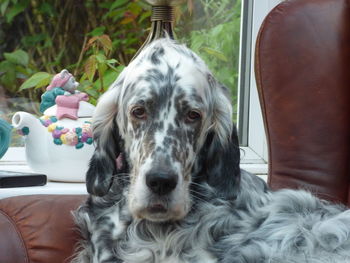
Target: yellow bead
x,y
63,139
51,127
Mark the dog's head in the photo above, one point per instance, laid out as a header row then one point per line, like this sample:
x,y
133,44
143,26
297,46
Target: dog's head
x,y
168,122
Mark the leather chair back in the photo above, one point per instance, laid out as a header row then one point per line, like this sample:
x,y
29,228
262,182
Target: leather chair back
x,y
302,68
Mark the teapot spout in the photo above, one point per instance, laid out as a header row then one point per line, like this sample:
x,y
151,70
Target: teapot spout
x,y
25,123
31,128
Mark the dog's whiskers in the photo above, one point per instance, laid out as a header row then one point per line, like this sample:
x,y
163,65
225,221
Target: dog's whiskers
x,y
198,196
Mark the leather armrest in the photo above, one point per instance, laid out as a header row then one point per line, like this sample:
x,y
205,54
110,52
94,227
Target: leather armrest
x,y
38,228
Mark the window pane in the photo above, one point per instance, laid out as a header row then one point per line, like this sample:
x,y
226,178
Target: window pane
x,y
94,40
11,103
211,28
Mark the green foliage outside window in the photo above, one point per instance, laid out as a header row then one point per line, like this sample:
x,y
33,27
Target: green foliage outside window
x,y
218,41
95,39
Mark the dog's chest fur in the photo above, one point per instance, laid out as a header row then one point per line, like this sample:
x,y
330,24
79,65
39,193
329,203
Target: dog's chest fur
x,y
145,251
117,240
287,226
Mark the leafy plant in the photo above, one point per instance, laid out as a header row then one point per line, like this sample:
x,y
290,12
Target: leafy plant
x,y
94,39
99,64
14,66
99,71
55,34
219,48
218,42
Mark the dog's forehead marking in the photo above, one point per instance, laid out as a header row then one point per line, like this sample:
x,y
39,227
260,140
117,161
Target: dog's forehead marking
x,y
165,97
158,52
164,89
168,85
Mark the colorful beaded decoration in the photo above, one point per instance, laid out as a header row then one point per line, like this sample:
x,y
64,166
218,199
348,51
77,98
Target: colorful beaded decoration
x,y
75,137
23,131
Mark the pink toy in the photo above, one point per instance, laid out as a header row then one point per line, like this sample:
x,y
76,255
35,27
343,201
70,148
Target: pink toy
x,y
68,103
61,80
68,106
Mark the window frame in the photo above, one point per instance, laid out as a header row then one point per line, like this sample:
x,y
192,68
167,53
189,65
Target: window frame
x,y
250,122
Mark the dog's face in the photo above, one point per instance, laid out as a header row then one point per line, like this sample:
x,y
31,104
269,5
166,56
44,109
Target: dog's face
x,y
162,108
165,121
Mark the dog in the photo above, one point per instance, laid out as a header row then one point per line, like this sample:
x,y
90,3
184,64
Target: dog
x,y
176,193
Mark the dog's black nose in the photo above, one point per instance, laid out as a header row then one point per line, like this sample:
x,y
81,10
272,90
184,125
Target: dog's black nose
x,y
161,183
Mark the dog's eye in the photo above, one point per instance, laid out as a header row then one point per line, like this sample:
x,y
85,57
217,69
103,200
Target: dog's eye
x,y
193,116
139,113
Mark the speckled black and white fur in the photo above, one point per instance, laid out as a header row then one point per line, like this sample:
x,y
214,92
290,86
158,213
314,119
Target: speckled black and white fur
x,y
167,114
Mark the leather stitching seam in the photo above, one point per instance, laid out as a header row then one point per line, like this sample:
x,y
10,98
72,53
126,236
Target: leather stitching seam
x,y
18,233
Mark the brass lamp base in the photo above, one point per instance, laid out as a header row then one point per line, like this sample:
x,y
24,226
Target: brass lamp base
x,y
162,18
165,2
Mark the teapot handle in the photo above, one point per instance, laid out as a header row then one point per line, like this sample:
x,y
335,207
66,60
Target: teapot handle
x,y
5,136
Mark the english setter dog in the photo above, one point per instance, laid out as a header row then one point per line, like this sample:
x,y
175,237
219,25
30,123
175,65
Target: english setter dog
x,y
176,193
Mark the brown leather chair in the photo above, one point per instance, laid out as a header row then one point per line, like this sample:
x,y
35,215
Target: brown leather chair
x,y
38,228
302,69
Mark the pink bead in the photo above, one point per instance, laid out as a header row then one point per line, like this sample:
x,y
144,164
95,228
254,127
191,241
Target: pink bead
x,y
71,138
89,133
84,137
74,142
65,130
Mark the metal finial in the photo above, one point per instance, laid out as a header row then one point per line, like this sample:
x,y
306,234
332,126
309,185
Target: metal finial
x,y
165,2
162,18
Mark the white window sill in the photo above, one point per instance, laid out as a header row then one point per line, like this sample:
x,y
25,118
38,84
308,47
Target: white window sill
x,y
14,160
253,163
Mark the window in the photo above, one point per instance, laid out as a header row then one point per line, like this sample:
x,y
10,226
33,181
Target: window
x,y
250,124
211,28
222,32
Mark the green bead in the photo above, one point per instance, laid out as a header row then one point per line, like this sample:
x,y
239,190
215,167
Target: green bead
x,y
78,130
53,119
25,130
89,140
57,141
59,128
79,145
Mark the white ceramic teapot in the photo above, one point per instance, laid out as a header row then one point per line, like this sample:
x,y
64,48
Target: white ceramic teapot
x,y
59,144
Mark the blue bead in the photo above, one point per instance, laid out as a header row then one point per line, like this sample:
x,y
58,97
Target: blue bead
x,y
78,130
25,130
89,140
57,141
79,145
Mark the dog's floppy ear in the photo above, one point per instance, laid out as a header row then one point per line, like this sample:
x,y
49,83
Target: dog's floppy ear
x,y
219,158
108,143
220,165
